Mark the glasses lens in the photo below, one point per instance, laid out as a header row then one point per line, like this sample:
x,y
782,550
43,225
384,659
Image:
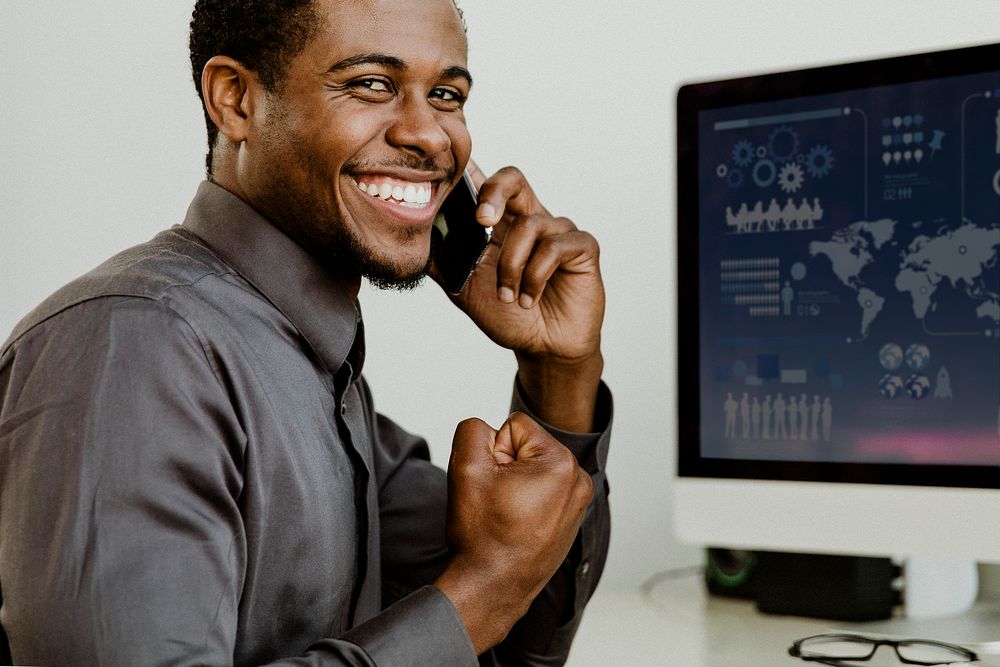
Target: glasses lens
x,y
836,647
932,653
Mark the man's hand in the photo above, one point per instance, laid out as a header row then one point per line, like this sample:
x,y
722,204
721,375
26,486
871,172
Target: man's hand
x,y
516,499
538,291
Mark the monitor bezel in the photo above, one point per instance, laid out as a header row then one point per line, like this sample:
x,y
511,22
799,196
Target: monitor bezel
x,y
694,98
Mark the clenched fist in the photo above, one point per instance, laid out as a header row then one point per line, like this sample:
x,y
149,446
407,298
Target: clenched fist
x,y
516,499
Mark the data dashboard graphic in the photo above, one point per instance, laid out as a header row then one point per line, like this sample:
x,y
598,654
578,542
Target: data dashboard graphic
x,y
849,285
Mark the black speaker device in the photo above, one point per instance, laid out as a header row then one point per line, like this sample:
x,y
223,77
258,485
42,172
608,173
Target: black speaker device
x,y
841,588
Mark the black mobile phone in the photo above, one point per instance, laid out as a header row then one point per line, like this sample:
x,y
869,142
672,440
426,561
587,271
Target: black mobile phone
x,y
457,240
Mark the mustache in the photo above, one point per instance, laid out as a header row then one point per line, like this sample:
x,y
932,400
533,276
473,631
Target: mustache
x,y
429,164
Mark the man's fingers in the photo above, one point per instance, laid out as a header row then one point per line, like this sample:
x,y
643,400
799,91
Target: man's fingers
x,y
505,196
536,446
552,253
472,446
533,248
520,439
504,448
528,438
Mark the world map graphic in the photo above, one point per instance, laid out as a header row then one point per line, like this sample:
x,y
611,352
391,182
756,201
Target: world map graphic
x,y
947,263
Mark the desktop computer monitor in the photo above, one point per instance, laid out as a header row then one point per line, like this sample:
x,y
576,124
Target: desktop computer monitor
x,y
839,309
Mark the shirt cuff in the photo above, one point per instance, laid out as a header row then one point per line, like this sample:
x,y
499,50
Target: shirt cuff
x,y
421,629
590,449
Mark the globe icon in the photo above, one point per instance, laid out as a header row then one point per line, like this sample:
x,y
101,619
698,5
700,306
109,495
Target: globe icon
x,y
918,356
890,356
890,386
917,386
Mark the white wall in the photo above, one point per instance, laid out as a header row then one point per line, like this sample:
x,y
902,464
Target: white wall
x,y
101,145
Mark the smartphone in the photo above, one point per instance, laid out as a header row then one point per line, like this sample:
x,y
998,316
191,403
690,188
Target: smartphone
x,y
457,240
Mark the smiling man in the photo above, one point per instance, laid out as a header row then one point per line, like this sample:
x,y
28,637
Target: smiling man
x,y
192,468
373,100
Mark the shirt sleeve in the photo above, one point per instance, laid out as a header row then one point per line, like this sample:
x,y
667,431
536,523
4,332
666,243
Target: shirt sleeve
x,y
121,537
413,497
545,634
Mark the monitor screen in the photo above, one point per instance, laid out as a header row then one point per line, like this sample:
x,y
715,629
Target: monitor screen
x,y
839,281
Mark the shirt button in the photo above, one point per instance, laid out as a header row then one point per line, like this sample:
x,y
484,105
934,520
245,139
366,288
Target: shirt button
x,y
343,408
584,568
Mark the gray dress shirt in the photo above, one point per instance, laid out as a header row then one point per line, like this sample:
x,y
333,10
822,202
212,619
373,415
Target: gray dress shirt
x,y
192,472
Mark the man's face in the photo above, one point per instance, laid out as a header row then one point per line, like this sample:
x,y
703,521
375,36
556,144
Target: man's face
x,y
354,154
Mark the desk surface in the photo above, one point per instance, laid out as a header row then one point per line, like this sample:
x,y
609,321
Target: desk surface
x,y
675,622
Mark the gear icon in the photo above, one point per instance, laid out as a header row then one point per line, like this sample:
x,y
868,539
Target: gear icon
x,y
783,143
743,153
790,177
735,178
763,180
819,161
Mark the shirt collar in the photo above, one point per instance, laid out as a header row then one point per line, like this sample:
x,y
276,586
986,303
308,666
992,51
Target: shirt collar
x,y
312,298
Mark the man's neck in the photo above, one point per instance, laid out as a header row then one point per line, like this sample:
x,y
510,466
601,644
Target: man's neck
x,y
226,179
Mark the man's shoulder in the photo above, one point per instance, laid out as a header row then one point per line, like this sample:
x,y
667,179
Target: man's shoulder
x,y
174,262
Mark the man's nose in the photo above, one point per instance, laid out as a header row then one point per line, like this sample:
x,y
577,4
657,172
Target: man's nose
x,y
417,130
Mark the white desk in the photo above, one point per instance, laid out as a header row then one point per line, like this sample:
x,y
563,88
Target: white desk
x,y
678,624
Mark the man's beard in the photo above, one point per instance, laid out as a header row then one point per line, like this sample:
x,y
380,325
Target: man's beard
x,y
324,236
317,225
347,253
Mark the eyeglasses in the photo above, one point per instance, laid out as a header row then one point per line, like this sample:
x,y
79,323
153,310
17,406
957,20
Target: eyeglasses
x,y
832,649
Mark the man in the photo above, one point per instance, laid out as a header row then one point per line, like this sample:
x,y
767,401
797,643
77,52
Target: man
x,y
192,469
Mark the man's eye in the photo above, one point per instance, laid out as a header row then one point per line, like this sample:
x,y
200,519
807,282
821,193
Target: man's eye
x,y
448,97
371,87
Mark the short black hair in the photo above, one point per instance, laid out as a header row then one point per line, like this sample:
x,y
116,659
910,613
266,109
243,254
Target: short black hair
x,y
263,35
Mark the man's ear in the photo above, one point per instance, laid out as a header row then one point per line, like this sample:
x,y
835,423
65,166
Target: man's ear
x,y
226,86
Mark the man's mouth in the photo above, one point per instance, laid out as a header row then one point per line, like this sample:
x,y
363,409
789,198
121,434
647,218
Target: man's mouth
x,y
404,193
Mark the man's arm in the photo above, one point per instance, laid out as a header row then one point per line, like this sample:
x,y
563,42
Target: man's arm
x,y
121,535
545,634
538,291
413,502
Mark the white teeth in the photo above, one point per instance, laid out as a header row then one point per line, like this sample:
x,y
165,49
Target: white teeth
x,y
415,195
